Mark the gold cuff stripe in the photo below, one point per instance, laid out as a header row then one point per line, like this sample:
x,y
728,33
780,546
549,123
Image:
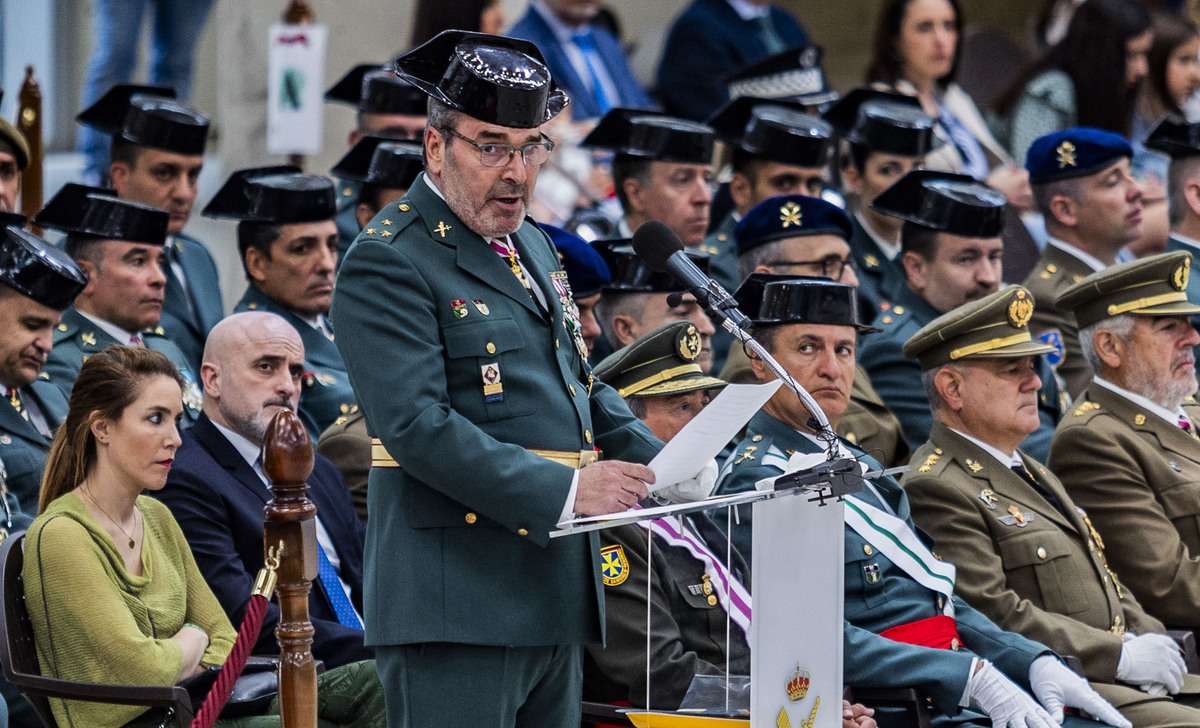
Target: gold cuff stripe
x,y
660,377
1120,308
572,459
990,345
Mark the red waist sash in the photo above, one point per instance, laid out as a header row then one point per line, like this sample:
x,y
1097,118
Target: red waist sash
x,y
940,632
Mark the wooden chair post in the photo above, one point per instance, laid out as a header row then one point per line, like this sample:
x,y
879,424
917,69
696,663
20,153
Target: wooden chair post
x,y
290,525
298,12
29,122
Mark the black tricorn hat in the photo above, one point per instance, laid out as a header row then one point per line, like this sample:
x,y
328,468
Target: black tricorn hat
x,y
280,195
770,299
374,88
99,213
15,219
795,73
35,268
777,130
491,78
883,121
952,203
381,161
631,274
652,135
148,116
1176,138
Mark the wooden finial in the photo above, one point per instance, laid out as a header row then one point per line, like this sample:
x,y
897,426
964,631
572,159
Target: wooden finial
x,y
29,122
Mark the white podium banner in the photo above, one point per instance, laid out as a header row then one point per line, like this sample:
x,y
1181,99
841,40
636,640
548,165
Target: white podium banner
x,y
295,82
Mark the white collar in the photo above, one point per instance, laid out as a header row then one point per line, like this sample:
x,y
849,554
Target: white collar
x,y
247,449
118,333
562,32
1170,417
749,11
891,250
1190,242
1092,261
1007,461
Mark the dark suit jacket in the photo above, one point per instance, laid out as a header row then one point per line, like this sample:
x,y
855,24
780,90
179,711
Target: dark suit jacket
x,y
188,326
707,43
218,500
533,27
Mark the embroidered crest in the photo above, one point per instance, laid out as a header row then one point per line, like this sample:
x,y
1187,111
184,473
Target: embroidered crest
x,y
1066,155
442,228
1020,310
1180,277
688,343
871,573
614,567
1053,338
789,214
872,262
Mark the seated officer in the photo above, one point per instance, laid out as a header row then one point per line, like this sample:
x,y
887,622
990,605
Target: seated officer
x,y
661,170
951,252
157,152
383,169
386,106
14,158
777,150
1181,142
288,244
887,135
1026,555
639,299
119,245
1128,452
903,626
1093,207
798,235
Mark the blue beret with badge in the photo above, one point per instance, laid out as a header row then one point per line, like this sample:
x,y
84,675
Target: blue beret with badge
x,y
586,270
1074,152
790,216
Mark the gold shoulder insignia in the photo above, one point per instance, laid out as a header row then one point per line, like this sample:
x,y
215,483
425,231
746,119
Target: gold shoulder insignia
x,y
1139,419
1085,407
929,463
747,454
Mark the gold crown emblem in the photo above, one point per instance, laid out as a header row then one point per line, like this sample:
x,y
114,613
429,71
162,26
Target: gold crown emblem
x,y
1020,310
789,214
798,683
1066,155
1180,277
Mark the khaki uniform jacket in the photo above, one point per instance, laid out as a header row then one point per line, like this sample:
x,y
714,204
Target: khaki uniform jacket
x,y
1043,576
1054,272
867,423
347,444
1138,477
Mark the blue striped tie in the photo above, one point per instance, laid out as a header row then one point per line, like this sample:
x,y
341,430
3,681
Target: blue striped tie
x,y
334,591
587,44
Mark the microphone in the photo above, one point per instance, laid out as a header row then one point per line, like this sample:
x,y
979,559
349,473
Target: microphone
x,y
662,250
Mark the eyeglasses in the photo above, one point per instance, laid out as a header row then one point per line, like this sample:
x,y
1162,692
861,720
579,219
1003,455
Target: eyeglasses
x,y
498,155
833,268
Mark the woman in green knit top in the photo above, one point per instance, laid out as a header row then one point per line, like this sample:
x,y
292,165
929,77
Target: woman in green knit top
x,y
112,589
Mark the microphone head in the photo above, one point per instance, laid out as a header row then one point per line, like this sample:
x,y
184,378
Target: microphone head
x,y
655,243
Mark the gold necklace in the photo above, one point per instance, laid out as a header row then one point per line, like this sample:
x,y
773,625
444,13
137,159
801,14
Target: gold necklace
x,y
132,543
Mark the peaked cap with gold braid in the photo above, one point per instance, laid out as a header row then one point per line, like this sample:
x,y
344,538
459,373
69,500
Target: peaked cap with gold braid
x,y
994,327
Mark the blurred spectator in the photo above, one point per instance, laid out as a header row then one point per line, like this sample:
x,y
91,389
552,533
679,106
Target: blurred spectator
x,y
116,27
585,59
1089,79
1173,76
434,16
711,40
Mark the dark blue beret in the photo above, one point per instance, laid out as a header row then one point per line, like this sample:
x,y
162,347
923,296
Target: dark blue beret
x,y
1073,153
790,216
586,270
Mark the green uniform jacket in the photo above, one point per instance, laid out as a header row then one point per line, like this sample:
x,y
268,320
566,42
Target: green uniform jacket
x,y
347,444
77,338
880,279
458,546
325,392
23,449
347,217
867,422
1046,577
687,633
1138,477
879,595
898,378
1054,272
721,245
188,325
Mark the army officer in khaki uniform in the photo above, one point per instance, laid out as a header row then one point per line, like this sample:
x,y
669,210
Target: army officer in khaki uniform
x,y
1127,451
1026,556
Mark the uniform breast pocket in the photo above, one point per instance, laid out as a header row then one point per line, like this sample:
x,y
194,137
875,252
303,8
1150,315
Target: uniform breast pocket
x,y
1037,562
483,370
864,574
1181,503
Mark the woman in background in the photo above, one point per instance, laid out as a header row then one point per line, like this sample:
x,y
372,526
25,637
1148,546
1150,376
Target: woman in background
x,y
112,589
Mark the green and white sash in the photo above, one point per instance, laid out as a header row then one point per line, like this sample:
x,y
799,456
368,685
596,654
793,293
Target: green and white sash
x,y
893,538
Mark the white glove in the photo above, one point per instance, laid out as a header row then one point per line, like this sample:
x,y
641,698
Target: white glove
x,y
1152,659
1057,686
694,489
1004,702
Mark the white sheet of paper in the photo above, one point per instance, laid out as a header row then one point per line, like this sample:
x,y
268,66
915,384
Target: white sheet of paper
x,y
703,438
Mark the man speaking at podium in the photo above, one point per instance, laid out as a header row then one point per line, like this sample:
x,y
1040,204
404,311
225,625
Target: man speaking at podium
x,y
903,624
